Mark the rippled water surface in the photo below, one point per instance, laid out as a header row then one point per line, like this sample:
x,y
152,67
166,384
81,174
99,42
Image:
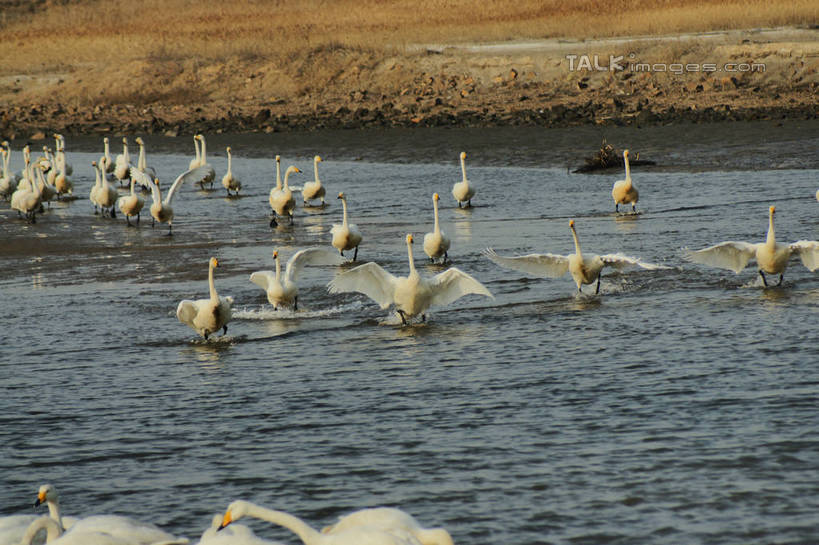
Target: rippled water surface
x,y
678,406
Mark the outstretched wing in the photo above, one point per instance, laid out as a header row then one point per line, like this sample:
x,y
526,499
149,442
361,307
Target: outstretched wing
x,y
726,255
620,261
536,264
192,175
311,256
186,311
808,251
453,284
140,177
369,279
262,278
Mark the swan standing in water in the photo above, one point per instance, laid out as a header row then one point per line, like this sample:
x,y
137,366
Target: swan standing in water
x,y
27,199
61,182
314,190
345,236
229,181
411,295
283,291
282,201
106,196
131,204
436,243
359,535
122,165
771,256
275,191
207,172
106,155
60,147
161,210
389,518
142,163
8,183
584,268
206,316
462,191
624,191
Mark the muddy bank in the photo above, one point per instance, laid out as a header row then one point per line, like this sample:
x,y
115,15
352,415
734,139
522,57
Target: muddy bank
x,y
775,76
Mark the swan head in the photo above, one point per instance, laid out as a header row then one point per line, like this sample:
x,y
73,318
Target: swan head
x,y
571,225
278,158
772,209
228,149
94,164
409,239
463,155
341,195
46,493
291,169
125,140
317,159
139,140
275,254
625,153
105,140
214,262
235,511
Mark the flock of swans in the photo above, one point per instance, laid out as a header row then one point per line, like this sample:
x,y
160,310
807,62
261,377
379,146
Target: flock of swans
x,y
372,526
411,296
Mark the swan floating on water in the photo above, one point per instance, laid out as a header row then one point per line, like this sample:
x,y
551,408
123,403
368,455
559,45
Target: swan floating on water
x,y
436,243
411,295
390,518
282,291
771,256
624,191
584,268
206,316
462,191
346,236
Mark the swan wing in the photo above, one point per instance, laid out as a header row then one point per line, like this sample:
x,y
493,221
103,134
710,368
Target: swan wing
x,y
311,256
551,265
192,175
369,279
263,278
726,255
140,177
453,284
620,261
808,251
186,311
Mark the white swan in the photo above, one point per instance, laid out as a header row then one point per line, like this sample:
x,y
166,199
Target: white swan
x,y
206,316
462,191
412,295
69,170
229,181
196,161
142,162
8,183
282,201
207,172
27,199
584,268
131,204
771,256
283,291
162,210
55,535
388,518
48,494
13,528
624,191
345,236
106,196
235,534
62,183
314,190
122,165
359,535
436,243
106,155
275,191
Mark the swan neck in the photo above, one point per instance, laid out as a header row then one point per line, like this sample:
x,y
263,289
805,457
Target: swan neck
x,y
141,160
213,295
628,170
52,528
437,226
54,512
278,269
204,152
344,212
771,239
307,534
411,261
463,168
286,181
278,175
230,157
576,243
315,169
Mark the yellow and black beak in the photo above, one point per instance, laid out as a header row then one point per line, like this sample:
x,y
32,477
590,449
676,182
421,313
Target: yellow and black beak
x,y
226,520
41,499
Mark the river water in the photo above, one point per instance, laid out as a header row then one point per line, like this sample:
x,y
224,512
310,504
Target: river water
x,y
678,406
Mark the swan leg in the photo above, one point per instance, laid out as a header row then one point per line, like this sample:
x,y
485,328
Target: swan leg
x,y
764,281
296,303
355,255
597,290
403,317
781,275
469,203
170,229
634,207
137,218
617,208
445,257
423,317
224,329
205,334
128,220
273,222
113,213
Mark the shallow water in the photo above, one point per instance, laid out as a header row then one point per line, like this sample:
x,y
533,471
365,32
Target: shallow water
x,y
678,406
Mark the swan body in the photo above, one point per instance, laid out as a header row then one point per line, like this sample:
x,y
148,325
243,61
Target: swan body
x,y
771,256
60,155
359,535
275,191
207,174
55,535
229,181
8,183
436,243
314,190
62,184
282,201
106,195
235,534
585,268
162,209
346,236
282,291
206,316
624,191
122,165
27,199
106,156
462,191
411,295
131,204
388,518
13,528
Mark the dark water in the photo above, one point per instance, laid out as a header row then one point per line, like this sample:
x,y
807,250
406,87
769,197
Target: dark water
x,y
679,406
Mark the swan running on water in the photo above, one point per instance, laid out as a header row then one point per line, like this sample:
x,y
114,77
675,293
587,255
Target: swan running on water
x,y
584,268
206,316
161,210
390,518
462,191
411,295
771,256
358,535
624,191
283,291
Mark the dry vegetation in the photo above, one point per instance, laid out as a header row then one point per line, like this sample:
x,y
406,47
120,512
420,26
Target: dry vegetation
x,y
93,52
